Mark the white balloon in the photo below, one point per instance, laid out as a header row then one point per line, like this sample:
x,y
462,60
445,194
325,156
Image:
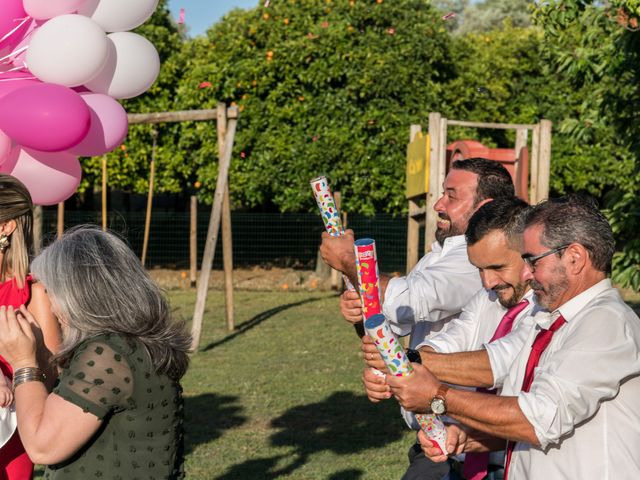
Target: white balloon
x,y
118,15
131,68
68,50
44,9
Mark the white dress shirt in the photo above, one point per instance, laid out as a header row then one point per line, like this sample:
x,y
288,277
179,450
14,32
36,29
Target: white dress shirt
x,y
584,402
476,324
437,288
473,329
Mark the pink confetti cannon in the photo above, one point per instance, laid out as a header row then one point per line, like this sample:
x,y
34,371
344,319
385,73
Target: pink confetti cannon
x,y
398,364
368,278
329,212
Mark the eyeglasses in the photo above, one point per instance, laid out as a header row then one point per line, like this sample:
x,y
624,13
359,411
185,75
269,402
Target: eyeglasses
x,y
531,260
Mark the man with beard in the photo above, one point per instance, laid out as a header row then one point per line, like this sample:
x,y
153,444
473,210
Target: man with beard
x,y
442,282
493,247
570,397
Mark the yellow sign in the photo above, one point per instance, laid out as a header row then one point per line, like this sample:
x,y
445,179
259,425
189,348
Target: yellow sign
x,y
418,166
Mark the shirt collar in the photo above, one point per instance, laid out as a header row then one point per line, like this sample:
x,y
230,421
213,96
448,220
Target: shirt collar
x,y
572,307
449,243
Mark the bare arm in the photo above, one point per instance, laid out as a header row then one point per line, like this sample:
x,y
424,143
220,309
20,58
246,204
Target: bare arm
x,y
470,369
492,414
48,333
51,428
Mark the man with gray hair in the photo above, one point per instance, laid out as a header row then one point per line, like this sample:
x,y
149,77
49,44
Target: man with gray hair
x,y
569,407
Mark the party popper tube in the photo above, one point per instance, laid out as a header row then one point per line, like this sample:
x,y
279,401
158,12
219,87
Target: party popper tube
x,y
368,278
398,364
330,215
327,206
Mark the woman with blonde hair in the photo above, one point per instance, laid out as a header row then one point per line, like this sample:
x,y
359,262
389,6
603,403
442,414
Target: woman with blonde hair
x,y
117,408
18,288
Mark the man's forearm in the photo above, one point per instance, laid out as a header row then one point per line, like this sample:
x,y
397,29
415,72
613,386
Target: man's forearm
x,y
471,369
478,441
497,416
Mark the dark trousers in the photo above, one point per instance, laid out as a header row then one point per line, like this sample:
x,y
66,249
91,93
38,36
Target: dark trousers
x,y
421,468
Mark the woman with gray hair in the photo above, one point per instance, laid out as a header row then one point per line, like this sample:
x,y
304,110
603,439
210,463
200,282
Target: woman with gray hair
x,y
118,405
18,288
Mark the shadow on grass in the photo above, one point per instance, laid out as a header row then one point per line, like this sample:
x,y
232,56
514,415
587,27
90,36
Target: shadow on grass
x,y
343,424
207,416
258,319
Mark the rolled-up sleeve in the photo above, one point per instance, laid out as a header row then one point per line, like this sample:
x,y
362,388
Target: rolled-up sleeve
x,y
430,293
586,370
461,333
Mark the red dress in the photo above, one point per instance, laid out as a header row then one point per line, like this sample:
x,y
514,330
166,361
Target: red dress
x,y
14,461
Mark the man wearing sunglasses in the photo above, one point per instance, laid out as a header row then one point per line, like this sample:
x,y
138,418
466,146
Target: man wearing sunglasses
x,y
569,406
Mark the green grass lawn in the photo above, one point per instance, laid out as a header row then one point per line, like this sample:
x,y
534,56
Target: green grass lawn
x,y
281,397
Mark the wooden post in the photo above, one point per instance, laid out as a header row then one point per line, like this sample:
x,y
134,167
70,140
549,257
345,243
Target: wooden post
x,y
336,276
413,225
60,228
193,242
212,232
535,162
37,229
147,220
522,135
544,166
434,175
227,237
104,193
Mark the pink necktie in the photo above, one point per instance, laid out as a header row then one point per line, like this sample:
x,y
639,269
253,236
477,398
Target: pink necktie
x,y
539,345
476,464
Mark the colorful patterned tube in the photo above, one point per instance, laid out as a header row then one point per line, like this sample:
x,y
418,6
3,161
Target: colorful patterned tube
x,y
329,212
398,364
368,278
327,206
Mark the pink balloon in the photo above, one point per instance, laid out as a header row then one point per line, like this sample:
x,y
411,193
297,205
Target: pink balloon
x,y
50,177
43,9
12,26
12,81
5,146
109,125
45,117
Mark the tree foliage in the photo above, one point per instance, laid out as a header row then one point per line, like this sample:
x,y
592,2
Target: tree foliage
x,y
596,50
323,87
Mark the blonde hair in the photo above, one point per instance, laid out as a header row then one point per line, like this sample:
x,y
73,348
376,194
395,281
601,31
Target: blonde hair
x,y
16,204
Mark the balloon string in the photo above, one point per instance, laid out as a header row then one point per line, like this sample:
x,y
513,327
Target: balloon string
x,y
7,58
14,78
22,22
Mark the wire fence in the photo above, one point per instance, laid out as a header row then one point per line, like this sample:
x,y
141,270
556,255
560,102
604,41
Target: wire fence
x,y
259,239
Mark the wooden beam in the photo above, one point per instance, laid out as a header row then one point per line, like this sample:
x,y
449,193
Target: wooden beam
x,y
500,126
147,220
227,238
212,232
432,195
544,166
60,219
413,223
535,162
193,242
179,116
37,229
103,194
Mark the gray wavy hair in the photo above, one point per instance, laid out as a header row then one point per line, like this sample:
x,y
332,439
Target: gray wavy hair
x,y
98,286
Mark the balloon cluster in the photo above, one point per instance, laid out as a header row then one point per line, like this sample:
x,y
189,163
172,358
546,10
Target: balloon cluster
x,y
63,65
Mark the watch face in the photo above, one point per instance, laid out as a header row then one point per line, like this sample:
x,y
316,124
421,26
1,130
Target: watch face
x,y
438,406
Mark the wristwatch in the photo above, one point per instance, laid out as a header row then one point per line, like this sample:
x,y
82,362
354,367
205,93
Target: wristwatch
x,y
439,403
413,355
